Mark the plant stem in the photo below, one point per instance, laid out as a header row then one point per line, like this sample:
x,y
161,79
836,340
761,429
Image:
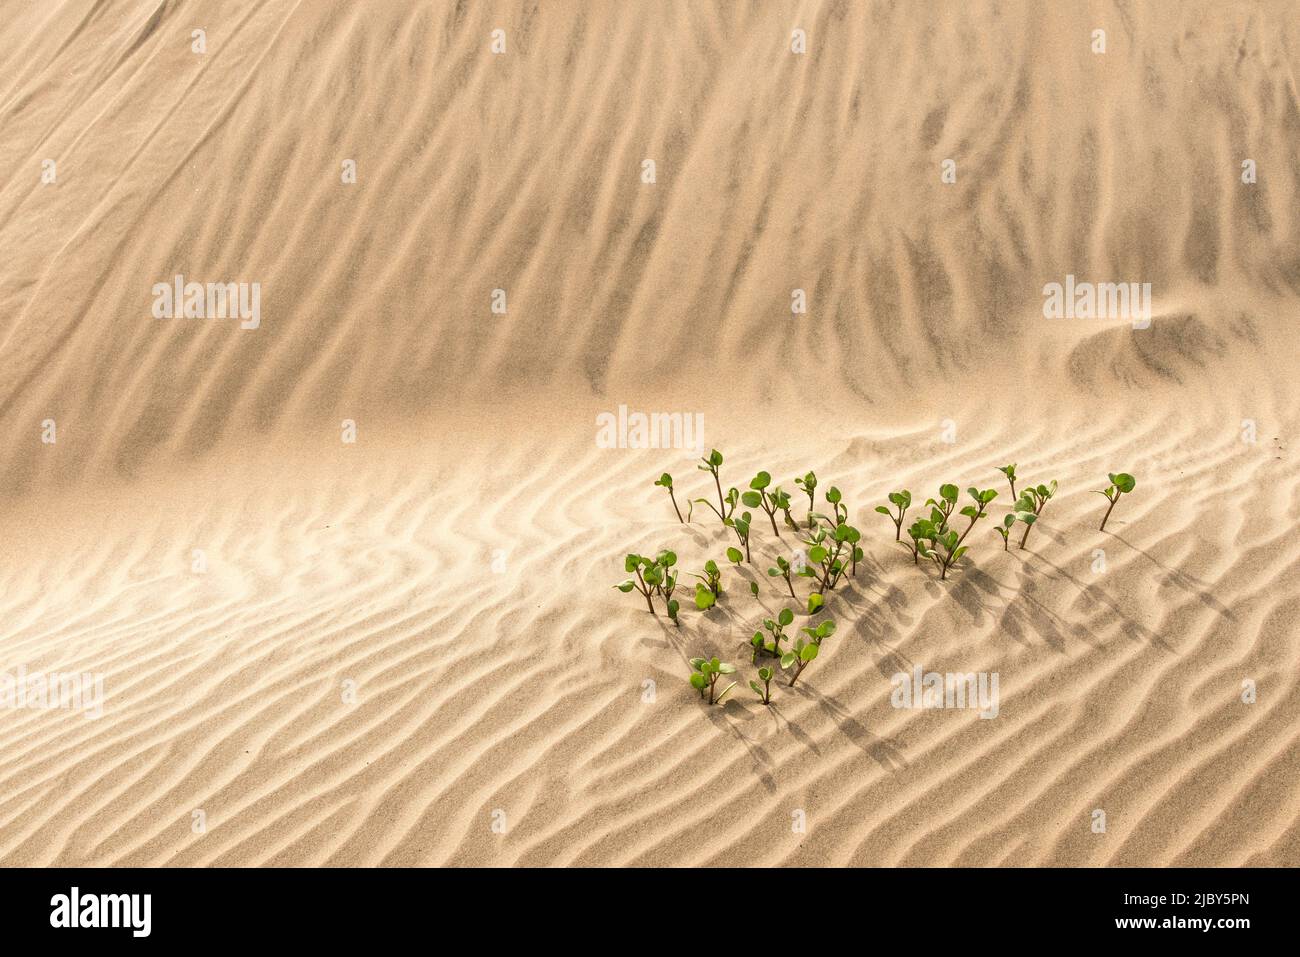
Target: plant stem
x,y
1108,511
675,508
795,677
721,502
646,591
788,585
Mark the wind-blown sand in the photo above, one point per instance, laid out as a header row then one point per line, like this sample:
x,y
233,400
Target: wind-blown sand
x,y
401,642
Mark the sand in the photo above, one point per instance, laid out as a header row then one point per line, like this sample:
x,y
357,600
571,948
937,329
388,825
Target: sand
x,y
405,650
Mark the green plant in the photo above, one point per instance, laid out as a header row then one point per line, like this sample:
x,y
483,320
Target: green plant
x,y
666,481
1010,472
741,527
712,462
1005,528
944,547
704,677
783,570
815,601
1121,483
1029,507
922,532
765,692
781,499
901,501
709,588
827,545
758,497
649,577
668,582
776,629
735,555
941,507
809,484
805,651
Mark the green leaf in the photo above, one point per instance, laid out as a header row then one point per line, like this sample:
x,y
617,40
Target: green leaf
x,y
787,660
752,499
884,511
760,481
699,682
817,555
673,606
667,559
765,674
631,562
815,601
626,587
773,572
825,629
949,492
711,567
1124,482
808,652
833,495
665,480
735,555
704,599
725,669
758,689
753,588
785,617
715,458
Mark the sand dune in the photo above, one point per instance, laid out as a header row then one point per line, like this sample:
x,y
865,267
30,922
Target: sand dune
x,y
404,650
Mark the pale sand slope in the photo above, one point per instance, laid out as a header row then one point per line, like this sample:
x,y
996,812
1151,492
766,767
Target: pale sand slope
x,y
517,686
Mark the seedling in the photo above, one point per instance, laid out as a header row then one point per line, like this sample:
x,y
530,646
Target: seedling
x,y
1031,503
741,527
666,481
709,588
668,583
902,501
944,547
712,462
781,499
705,674
776,629
649,577
922,532
1005,529
758,497
765,692
805,650
809,484
1121,483
1010,472
783,570
941,507
945,551
975,512
753,589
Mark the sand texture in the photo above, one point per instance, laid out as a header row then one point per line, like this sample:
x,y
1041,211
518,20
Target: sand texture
x,y
405,650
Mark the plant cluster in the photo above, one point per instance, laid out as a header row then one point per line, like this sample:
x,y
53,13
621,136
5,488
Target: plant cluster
x,y
832,551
